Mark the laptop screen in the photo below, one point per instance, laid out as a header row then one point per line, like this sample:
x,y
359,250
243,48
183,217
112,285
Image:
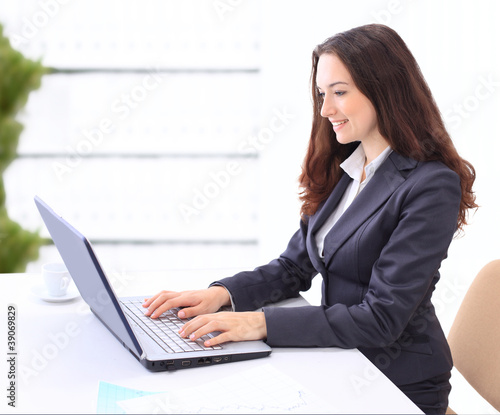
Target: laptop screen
x,y
88,275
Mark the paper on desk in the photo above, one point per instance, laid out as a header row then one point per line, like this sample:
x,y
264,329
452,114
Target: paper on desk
x,y
109,394
260,390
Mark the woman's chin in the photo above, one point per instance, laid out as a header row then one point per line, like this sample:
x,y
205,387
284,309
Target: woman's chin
x,y
343,139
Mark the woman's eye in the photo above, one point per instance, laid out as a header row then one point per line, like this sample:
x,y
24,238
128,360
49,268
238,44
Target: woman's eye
x,y
321,94
339,93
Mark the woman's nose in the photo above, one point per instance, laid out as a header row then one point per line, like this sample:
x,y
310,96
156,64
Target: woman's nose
x,y
327,108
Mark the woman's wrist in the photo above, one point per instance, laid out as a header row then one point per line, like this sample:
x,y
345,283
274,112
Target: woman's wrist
x,y
221,294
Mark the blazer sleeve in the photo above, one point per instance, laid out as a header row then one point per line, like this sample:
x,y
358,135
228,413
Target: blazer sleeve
x,y
401,278
282,278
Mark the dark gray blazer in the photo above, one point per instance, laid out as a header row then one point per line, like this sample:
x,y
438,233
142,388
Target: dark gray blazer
x,y
381,266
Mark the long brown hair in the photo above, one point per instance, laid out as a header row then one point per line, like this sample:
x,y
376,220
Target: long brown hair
x,y
384,70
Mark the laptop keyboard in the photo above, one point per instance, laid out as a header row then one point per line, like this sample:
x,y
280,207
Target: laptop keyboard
x,y
164,330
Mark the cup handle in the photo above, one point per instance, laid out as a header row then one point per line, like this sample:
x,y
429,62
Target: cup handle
x,y
64,283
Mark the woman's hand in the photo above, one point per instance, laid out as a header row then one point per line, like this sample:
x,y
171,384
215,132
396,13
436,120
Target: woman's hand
x,y
233,327
195,302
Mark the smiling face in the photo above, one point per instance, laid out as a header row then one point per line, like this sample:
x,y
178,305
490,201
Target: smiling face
x,y
351,113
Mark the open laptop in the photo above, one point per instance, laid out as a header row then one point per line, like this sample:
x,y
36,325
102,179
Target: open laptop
x,y
154,342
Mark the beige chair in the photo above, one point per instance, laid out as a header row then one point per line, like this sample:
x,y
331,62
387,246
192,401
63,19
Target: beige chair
x,y
475,335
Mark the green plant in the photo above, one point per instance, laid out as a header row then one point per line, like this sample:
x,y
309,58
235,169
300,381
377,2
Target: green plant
x,y
18,77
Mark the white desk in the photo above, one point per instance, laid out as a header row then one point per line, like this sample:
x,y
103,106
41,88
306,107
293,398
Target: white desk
x,y
64,351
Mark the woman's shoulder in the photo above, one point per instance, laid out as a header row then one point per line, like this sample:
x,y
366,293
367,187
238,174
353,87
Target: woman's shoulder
x,y
421,167
425,174
435,166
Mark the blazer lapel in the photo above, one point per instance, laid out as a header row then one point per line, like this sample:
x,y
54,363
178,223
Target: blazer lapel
x,y
329,205
320,217
386,180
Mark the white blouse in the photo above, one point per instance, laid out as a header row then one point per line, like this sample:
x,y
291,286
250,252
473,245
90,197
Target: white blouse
x,y
353,166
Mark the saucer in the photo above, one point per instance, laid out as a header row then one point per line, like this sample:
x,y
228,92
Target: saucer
x,y
41,292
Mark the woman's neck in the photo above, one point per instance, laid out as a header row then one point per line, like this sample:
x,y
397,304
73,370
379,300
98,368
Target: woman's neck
x,y
373,149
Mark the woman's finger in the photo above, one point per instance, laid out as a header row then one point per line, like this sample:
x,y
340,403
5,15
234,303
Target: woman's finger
x,y
219,339
235,326
194,327
149,301
165,301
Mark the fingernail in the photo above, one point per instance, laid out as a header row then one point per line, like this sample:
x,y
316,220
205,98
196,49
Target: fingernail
x,y
207,343
181,314
181,333
192,336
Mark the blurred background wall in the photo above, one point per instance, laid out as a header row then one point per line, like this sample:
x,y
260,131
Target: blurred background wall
x,y
171,132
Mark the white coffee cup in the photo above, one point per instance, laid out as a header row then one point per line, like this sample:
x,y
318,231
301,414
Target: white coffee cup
x,y
56,278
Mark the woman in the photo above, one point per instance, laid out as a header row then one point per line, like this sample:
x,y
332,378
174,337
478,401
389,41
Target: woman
x,y
384,191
